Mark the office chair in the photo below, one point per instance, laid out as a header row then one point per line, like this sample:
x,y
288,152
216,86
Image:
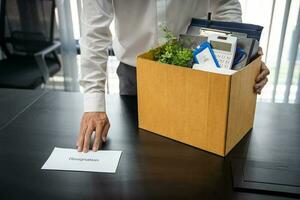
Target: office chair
x,y
26,39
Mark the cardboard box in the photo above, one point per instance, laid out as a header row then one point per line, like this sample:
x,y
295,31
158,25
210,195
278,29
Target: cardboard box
x,y
206,110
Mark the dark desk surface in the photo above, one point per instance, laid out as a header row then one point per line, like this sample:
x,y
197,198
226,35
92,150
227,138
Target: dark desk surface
x,y
151,167
13,103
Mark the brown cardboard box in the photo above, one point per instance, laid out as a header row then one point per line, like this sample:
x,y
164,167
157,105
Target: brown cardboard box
x,y
206,110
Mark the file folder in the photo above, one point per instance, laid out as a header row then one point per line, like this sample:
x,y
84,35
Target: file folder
x,y
252,31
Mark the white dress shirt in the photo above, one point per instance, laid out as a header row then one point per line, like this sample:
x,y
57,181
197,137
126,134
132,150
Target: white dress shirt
x,y
137,31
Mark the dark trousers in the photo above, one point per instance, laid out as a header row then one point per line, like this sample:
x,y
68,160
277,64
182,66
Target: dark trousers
x,y
127,79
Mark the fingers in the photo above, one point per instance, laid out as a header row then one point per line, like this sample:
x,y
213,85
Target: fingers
x,y
80,139
97,141
91,122
105,132
264,72
101,135
261,79
87,138
260,51
80,142
259,86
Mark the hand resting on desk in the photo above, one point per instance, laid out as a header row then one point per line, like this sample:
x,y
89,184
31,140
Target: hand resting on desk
x,y
90,122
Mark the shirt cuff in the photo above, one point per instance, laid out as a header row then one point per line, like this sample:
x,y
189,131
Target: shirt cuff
x,y
94,102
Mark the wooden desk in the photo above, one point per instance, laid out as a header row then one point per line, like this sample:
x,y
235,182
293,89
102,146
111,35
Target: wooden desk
x,y
13,103
151,167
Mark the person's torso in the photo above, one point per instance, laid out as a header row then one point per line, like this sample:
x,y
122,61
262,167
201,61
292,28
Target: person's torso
x,y
137,23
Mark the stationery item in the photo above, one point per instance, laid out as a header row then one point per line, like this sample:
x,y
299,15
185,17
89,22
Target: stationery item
x,y
205,56
239,35
214,69
224,47
191,41
252,31
250,48
239,57
254,50
71,160
208,31
244,44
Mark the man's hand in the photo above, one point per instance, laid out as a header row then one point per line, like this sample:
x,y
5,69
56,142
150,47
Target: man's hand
x,y
90,122
261,80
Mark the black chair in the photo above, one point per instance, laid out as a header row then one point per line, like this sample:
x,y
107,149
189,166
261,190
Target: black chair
x,y
26,39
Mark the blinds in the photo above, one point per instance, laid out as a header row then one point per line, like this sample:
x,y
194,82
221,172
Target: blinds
x,y
280,42
68,48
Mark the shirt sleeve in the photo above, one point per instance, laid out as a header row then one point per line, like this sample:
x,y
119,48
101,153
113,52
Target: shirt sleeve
x,y
226,10
96,17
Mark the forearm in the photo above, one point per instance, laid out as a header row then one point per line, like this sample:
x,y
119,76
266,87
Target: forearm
x,y
95,20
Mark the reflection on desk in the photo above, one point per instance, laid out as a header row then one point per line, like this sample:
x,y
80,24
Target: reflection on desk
x,y
152,167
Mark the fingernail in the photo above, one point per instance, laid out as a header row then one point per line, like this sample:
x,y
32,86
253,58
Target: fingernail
x,y
104,139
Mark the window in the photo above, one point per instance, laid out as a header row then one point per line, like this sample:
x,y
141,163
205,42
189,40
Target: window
x,y
280,43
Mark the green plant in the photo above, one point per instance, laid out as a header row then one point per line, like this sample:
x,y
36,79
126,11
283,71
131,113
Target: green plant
x,y
173,52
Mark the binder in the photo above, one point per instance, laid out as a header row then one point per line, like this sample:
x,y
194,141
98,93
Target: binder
x,y
252,31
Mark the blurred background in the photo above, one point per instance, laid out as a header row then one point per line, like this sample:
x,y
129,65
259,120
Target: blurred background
x,y
60,58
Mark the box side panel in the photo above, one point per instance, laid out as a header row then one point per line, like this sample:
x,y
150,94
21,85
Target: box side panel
x,y
148,55
242,103
186,105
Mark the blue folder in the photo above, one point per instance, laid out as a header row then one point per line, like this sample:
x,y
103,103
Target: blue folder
x,y
252,31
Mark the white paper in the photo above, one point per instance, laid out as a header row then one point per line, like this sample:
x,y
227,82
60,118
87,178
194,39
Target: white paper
x,y
214,69
71,160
